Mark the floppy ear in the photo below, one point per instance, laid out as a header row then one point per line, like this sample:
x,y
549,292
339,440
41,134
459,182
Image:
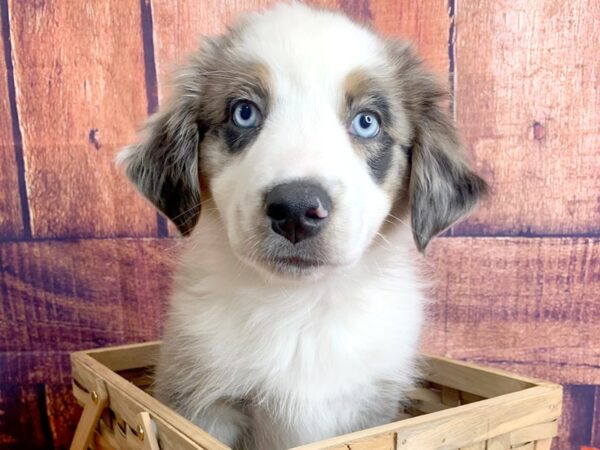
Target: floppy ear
x,y
164,164
442,187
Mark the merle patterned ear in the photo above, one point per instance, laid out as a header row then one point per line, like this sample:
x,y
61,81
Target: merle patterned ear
x,y
442,187
164,164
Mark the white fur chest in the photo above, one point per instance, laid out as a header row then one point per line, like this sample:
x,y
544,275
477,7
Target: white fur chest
x,y
298,346
314,358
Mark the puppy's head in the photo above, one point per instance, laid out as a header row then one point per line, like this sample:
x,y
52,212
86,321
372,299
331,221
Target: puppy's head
x,y
307,132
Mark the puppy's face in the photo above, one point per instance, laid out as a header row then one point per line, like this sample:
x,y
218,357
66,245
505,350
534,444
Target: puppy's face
x,y
306,131
304,154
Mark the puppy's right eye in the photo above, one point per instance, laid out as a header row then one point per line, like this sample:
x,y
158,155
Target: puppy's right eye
x,y
365,125
246,114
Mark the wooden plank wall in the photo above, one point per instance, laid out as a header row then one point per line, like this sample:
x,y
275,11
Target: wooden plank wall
x,y
85,262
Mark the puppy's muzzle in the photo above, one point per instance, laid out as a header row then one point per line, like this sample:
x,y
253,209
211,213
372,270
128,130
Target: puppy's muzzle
x,y
298,210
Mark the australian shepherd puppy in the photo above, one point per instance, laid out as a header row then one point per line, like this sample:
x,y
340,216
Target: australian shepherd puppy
x,y
321,155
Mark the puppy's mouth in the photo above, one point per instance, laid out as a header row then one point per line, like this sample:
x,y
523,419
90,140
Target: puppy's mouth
x,y
297,262
272,255
295,266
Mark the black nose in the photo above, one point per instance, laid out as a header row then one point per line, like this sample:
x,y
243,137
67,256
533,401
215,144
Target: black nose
x,y
298,210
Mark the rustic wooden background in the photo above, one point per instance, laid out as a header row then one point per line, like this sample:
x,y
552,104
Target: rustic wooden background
x,y
85,262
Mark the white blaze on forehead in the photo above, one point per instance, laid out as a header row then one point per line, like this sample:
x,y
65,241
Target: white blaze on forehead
x,y
309,48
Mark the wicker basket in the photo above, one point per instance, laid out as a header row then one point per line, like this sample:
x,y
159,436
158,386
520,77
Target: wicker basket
x,y
459,406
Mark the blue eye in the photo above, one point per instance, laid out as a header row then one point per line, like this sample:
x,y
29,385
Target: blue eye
x,y
246,114
365,125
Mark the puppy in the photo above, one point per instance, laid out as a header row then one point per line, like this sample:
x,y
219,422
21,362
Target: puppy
x,y
318,152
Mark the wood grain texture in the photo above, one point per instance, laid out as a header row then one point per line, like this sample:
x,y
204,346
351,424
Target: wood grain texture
x,y
11,223
67,296
35,416
79,79
595,440
35,367
426,24
23,420
63,413
528,102
527,305
575,425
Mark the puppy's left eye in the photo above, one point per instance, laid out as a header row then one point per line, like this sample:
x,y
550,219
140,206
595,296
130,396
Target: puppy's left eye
x,y
246,114
365,125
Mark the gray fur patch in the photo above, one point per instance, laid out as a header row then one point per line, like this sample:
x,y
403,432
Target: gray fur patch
x,y
442,187
381,157
164,165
